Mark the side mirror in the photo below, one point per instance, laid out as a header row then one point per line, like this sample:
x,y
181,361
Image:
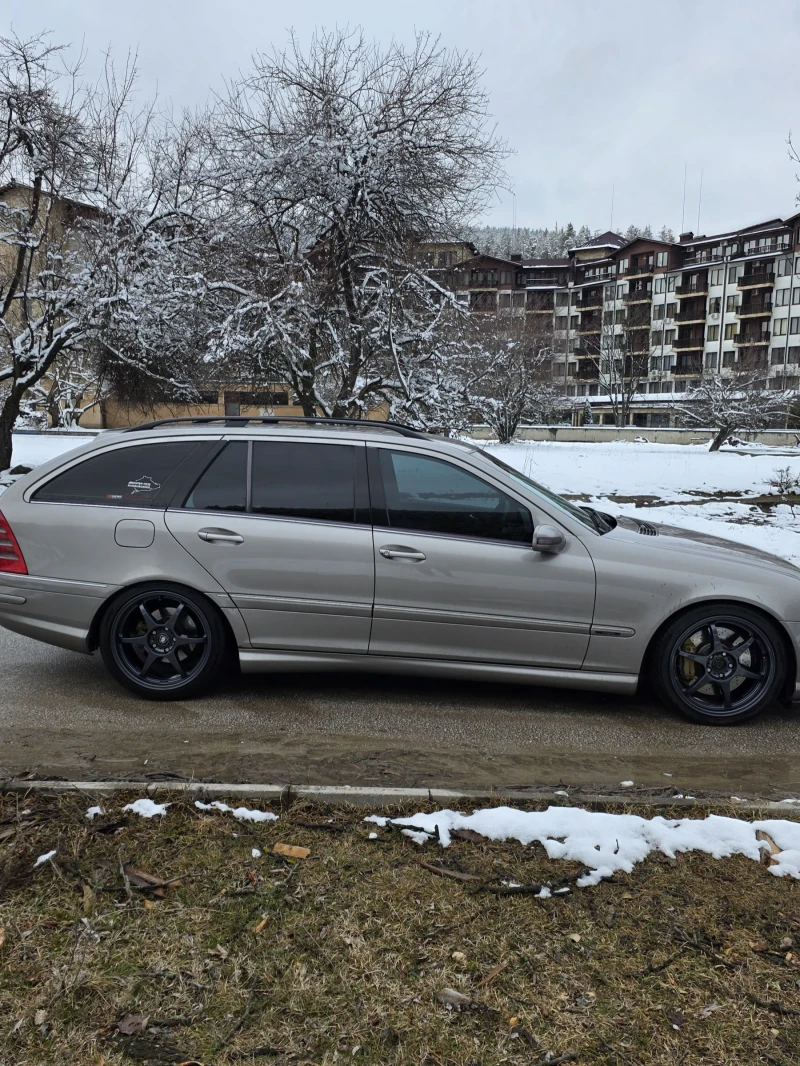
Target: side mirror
x,y
548,539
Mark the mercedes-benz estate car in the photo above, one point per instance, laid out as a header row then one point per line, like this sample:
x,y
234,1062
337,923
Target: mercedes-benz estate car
x,y
302,544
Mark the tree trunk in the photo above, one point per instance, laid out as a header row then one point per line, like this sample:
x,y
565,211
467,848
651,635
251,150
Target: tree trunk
x,y
8,416
719,440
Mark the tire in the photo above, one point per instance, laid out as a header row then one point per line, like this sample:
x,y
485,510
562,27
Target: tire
x,y
164,642
720,664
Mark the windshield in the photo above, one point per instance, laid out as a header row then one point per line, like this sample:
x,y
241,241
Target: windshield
x,y
577,513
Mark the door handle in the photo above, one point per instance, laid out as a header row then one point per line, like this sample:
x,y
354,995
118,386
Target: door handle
x,y
221,536
402,553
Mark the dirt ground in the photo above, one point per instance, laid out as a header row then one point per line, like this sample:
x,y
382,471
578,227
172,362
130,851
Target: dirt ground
x,y
61,715
346,954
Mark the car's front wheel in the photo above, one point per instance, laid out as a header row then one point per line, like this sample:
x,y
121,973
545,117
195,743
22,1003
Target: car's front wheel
x,y
163,642
720,666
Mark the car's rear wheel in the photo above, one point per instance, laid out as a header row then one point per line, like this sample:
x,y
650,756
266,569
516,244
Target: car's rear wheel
x,y
720,666
163,642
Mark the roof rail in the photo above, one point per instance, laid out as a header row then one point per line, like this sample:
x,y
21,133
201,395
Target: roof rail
x,y
271,420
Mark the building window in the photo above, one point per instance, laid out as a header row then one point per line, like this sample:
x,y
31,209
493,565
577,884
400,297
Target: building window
x,y
728,358
623,266
574,321
660,285
797,264
621,290
505,299
658,312
794,325
572,390
784,267
715,305
661,258
655,337
669,336
672,310
716,276
732,303
680,386
779,327
776,356
671,283
506,277
712,333
793,353
562,299
730,330
733,273
518,299
711,359
781,297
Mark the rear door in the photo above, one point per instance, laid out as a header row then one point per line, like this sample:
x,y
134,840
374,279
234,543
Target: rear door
x,y
455,574
283,526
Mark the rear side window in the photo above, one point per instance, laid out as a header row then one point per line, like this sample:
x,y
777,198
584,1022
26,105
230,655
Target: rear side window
x,y
136,476
433,496
223,487
309,481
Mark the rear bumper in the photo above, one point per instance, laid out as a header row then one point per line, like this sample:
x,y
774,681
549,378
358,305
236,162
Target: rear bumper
x,y
55,616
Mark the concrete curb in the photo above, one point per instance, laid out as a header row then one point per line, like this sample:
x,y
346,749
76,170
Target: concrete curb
x,y
379,797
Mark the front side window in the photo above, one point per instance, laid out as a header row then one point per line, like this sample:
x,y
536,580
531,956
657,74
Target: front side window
x,y
429,495
135,476
309,481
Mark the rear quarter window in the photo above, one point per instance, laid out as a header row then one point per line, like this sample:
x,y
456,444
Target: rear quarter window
x,y
135,476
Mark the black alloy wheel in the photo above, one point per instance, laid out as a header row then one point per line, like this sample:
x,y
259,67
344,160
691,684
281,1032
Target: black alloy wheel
x,y
163,642
723,666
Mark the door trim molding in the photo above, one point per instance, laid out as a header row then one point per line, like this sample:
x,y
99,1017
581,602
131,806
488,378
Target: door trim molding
x,y
250,602
467,618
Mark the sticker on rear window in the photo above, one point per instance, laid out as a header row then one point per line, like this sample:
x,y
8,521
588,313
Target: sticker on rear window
x,y
143,484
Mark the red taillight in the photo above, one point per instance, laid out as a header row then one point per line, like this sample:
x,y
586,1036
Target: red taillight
x,y
11,559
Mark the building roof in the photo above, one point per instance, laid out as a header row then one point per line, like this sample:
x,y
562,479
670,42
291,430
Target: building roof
x,y
609,239
531,264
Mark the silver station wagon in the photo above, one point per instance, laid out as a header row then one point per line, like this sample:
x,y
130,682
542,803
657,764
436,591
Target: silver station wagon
x,y
303,544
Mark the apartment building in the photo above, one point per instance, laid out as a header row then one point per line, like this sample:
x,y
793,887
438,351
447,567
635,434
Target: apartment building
x,y
672,311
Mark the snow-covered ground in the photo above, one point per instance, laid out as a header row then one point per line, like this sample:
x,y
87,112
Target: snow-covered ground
x,y
674,484
675,476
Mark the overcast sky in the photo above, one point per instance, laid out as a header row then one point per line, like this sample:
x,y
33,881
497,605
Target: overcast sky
x,y
588,94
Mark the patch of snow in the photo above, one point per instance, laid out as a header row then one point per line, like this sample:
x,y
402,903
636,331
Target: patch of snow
x,y
561,792
627,784
244,814
543,893
373,836
256,853
93,812
48,855
606,843
147,808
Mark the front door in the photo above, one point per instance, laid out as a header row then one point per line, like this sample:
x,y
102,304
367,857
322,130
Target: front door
x,y
456,577
283,527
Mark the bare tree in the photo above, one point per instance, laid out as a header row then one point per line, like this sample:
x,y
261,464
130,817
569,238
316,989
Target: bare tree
x,y
327,168
95,232
511,356
732,402
620,354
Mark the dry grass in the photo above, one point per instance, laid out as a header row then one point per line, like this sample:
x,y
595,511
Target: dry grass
x,y
339,957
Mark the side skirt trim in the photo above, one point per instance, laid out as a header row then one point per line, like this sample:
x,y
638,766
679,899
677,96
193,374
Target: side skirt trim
x,y
257,661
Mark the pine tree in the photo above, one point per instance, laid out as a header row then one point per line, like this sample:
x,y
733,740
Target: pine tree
x,y
666,234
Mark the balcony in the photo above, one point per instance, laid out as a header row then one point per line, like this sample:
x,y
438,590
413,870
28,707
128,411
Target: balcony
x,y
700,288
742,339
686,365
588,370
689,343
539,308
754,309
638,296
590,323
639,268
589,303
765,249
698,314
755,279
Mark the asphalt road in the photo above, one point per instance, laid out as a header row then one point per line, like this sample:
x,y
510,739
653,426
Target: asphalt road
x,y
62,715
